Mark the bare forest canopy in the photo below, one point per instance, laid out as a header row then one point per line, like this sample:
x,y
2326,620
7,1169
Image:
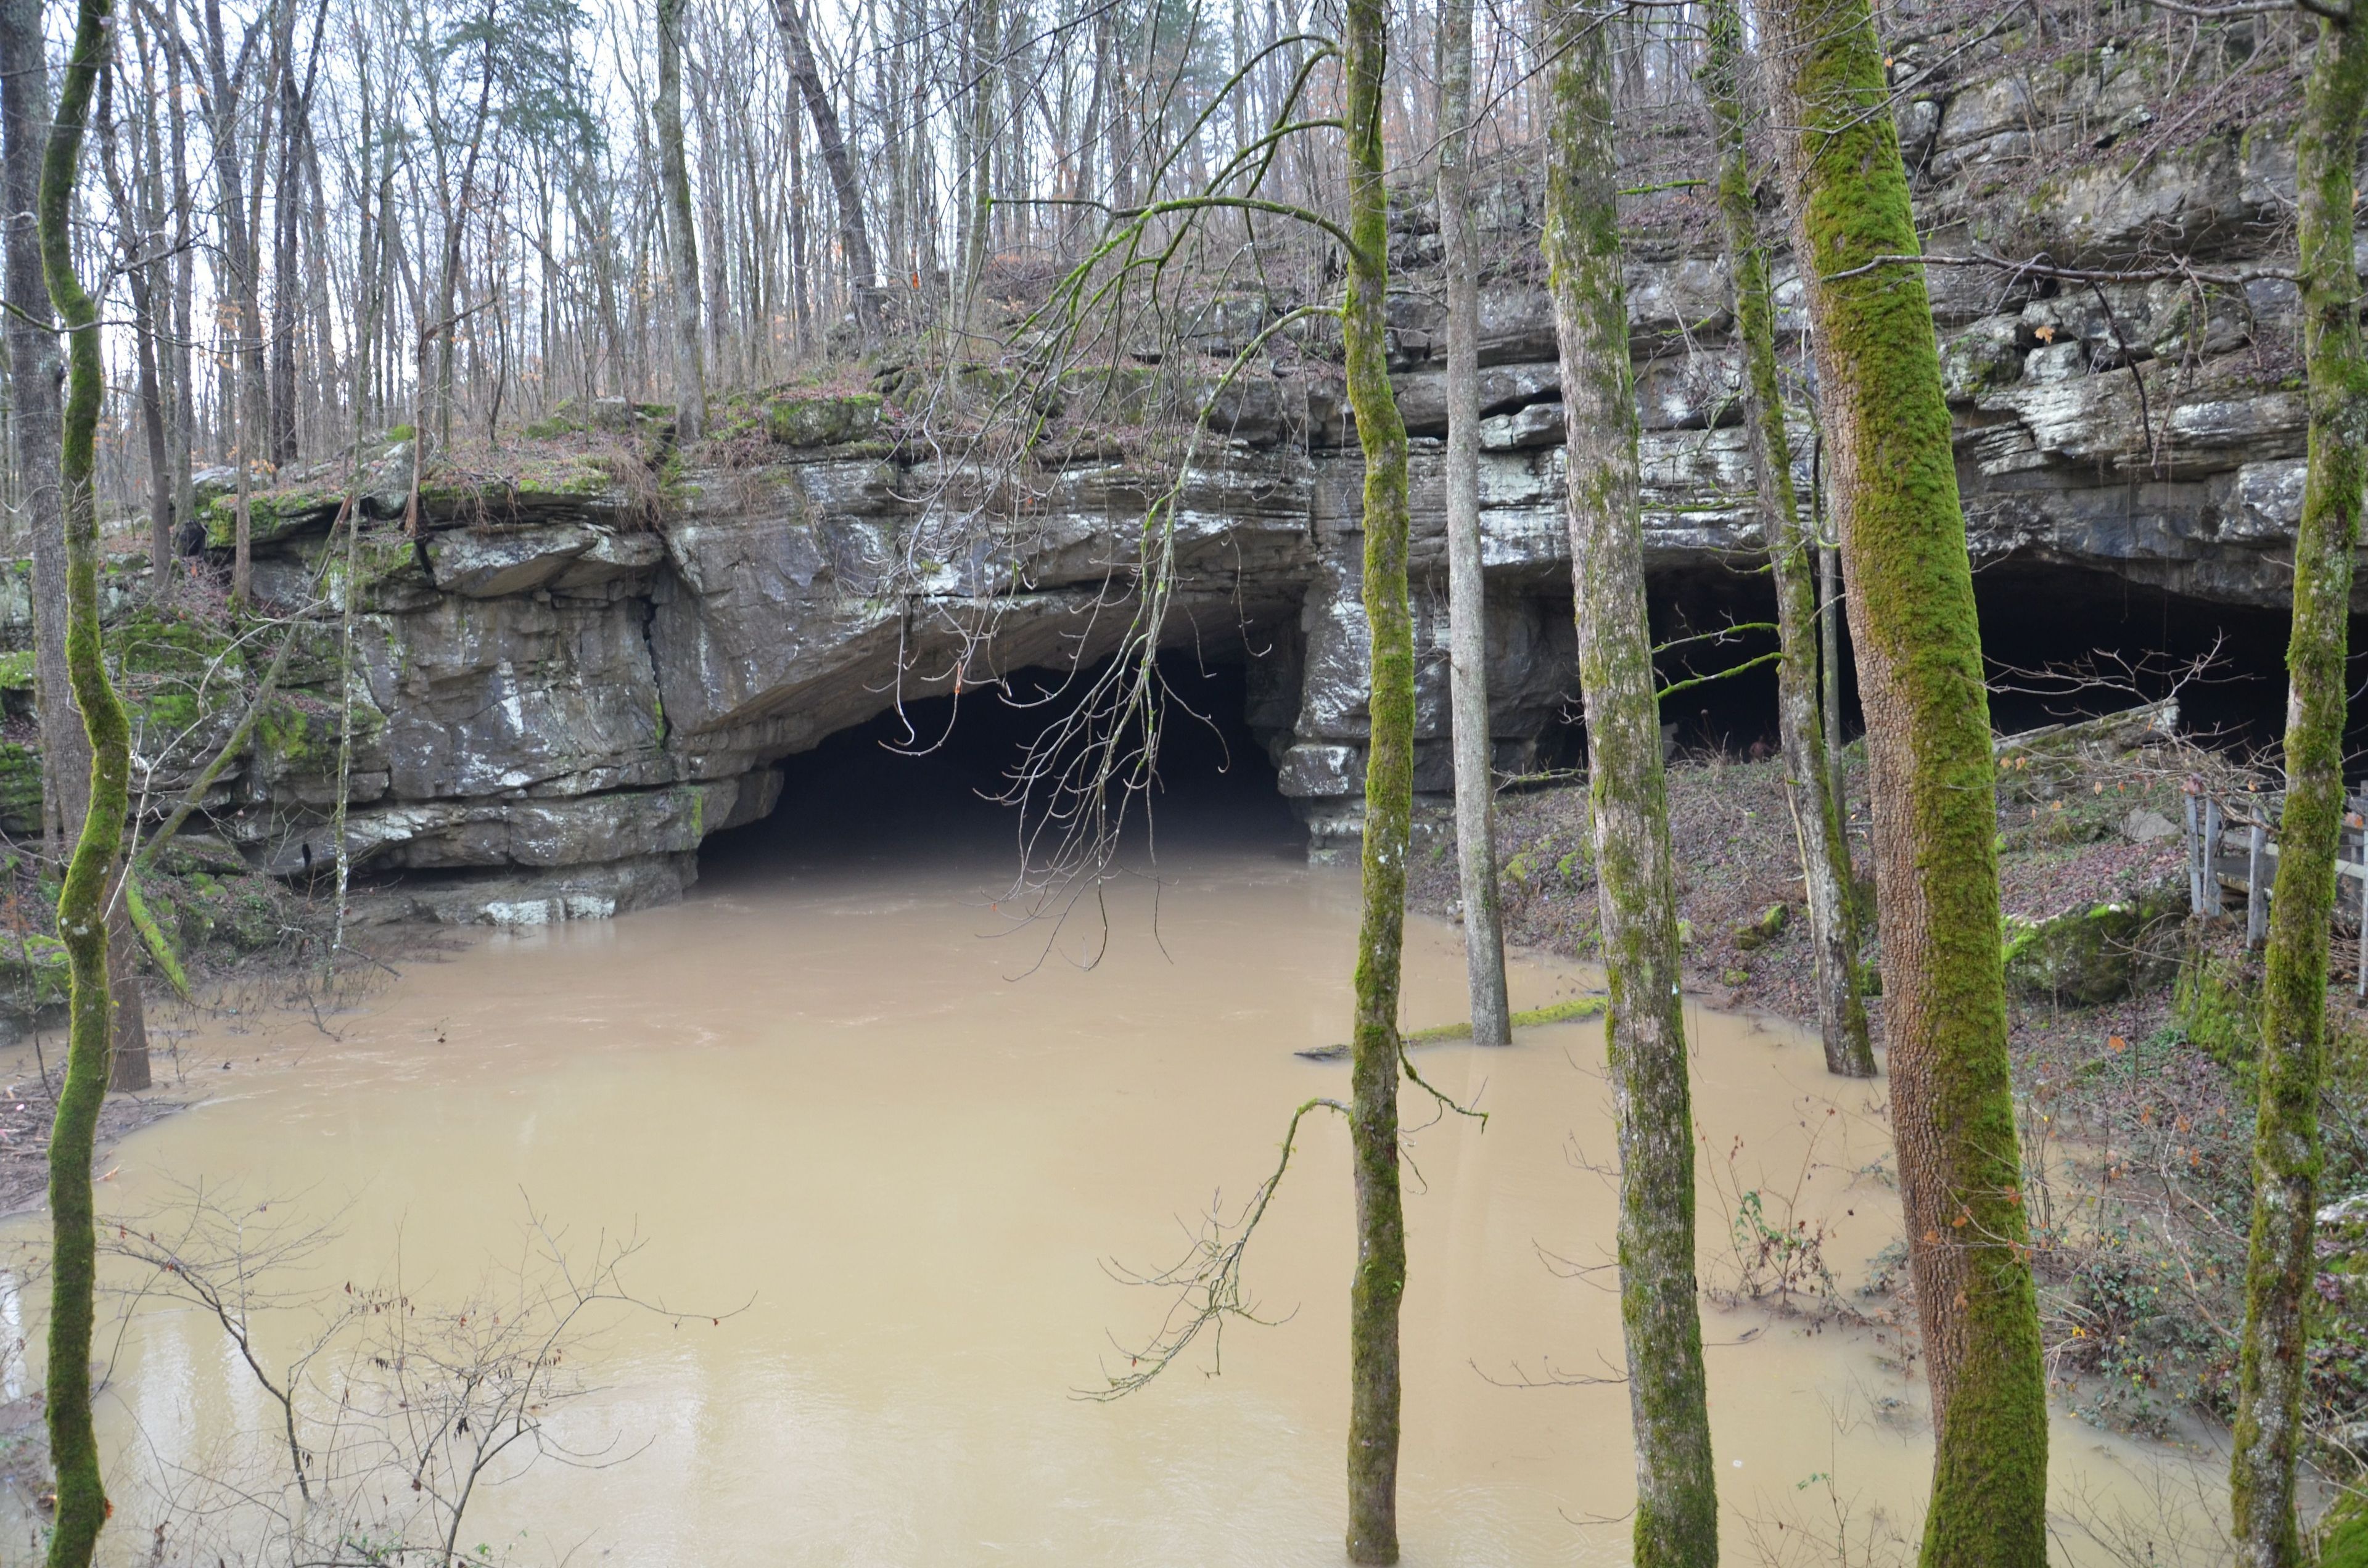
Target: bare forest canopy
x,y
318,219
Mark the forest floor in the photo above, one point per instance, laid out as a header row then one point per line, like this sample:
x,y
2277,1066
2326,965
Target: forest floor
x,y
2133,1073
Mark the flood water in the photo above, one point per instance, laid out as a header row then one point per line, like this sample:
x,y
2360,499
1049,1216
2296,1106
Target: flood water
x,y
848,1115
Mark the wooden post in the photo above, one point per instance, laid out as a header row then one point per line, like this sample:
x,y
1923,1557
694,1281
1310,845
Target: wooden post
x,y
2212,829
2196,861
2363,910
2257,897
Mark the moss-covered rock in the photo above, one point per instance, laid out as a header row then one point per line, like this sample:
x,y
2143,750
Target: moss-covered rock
x,y
830,421
540,483
2217,1003
271,514
33,973
230,916
572,416
20,790
1767,928
2343,1542
1987,355
2100,954
176,671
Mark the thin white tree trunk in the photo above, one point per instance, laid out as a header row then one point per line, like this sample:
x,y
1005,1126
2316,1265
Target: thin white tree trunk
x,y
1467,593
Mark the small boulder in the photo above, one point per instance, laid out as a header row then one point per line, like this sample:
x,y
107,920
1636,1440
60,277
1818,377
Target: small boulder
x,y
2086,957
1767,928
823,421
34,971
2144,826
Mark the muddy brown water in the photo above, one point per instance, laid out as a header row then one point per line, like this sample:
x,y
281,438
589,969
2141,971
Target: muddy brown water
x,y
844,1098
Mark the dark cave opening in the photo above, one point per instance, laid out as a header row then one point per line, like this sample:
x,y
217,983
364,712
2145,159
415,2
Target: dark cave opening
x,y
929,781
2035,616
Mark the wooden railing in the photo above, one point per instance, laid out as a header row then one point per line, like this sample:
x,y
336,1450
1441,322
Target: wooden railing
x,y
2232,849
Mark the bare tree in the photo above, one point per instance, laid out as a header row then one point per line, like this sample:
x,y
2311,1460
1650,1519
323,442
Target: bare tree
x,y
1467,588
854,238
682,240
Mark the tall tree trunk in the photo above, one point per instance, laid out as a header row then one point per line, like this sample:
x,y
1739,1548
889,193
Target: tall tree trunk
x,y
1818,822
800,315
1677,1492
1467,588
1829,668
224,93
82,1507
2282,1256
35,368
280,443
1376,1051
178,346
682,242
446,324
241,552
980,206
141,275
65,746
1919,663
863,275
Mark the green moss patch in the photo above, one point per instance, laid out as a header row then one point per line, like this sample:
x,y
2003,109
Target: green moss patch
x,y
2090,956
33,971
1557,1013
20,790
2217,1003
823,421
271,514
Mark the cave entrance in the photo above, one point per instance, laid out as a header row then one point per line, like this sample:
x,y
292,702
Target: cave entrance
x,y
926,782
2035,614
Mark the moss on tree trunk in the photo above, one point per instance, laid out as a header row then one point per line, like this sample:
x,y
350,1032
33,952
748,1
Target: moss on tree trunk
x,y
1919,662
2292,1062
1818,822
83,906
1677,1496
1389,818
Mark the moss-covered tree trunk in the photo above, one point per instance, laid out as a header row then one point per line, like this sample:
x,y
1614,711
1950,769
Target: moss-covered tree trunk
x,y
82,908
34,371
1919,664
681,235
1817,821
2294,995
1467,592
1676,1496
1374,1051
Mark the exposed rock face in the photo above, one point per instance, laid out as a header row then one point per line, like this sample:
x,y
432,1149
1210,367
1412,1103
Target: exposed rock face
x,y
561,694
